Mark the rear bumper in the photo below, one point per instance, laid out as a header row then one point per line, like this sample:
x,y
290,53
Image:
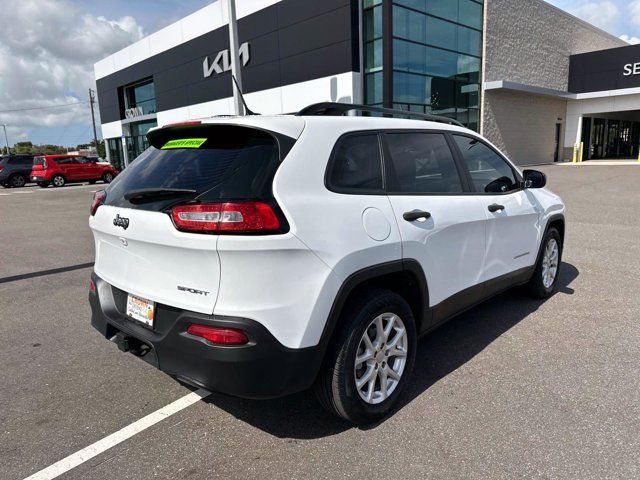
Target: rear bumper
x,y
264,368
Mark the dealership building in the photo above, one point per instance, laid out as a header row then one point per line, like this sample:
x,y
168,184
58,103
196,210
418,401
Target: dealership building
x,y
533,79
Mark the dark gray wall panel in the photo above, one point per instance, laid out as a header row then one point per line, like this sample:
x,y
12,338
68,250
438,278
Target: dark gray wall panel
x,y
603,70
292,41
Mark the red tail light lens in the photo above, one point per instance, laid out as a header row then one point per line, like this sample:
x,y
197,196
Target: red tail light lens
x,y
230,217
92,286
221,336
98,199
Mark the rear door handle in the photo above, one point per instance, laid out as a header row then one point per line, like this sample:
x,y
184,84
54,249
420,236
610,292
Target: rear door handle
x,y
495,208
416,215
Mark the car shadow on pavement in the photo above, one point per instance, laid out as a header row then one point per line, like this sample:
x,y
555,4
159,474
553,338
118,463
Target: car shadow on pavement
x,y
443,351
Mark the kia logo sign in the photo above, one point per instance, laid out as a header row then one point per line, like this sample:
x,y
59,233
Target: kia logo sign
x,y
632,69
222,62
133,112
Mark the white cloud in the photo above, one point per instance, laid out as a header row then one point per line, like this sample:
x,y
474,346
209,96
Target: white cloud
x,y
631,40
604,14
634,12
47,52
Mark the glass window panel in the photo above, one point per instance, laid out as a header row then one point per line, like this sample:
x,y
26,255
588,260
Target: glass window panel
x,y
442,93
417,4
470,13
441,63
373,87
373,23
409,88
441,33
373,56
409,57
370,3
409,24
443,8
422,163
469,41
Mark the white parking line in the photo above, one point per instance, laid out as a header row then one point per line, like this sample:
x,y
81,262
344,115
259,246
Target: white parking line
x,y
118,437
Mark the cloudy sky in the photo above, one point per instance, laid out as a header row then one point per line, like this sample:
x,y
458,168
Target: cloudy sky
x,y
48,48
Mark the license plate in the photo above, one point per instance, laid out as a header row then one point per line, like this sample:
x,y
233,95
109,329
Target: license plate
x,y
141,309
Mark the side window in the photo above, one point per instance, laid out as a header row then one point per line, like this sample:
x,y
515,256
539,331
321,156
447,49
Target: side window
x,y
489,172
423,163
356,166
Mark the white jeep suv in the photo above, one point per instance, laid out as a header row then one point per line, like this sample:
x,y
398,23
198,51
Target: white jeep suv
x,y
262,255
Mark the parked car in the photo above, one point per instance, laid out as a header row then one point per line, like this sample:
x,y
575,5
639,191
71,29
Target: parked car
x,y
259,256
15,170
57,170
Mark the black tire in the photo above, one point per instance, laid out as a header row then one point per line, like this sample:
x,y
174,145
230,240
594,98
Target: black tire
x,y
43,184
335,386
17,181
58,181
536,286
5,185
107,177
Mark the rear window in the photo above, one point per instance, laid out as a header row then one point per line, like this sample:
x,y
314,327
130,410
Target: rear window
x,y
38,161
223,163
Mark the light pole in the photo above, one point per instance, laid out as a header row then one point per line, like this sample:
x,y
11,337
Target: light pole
x,y
235,57
6,139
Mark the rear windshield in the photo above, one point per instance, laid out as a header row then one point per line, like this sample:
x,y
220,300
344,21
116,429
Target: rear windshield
x,y
38,161
222,163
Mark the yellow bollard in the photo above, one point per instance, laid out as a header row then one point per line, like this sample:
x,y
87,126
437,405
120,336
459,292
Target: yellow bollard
x,y
581,151
575,153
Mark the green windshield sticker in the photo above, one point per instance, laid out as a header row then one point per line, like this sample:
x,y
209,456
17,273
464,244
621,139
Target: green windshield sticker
x,y
184,143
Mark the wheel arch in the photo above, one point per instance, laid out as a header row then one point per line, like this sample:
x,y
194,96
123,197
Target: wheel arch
x,y
404,277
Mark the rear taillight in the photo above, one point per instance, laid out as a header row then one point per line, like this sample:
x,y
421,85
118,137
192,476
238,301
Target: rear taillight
x,y
92,286
229,217
220,336
98,199
1,167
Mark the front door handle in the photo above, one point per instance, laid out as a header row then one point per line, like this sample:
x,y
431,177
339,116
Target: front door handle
x,y
416,215
495,208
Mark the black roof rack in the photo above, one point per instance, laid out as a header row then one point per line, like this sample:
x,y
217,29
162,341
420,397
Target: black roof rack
x,y
339,109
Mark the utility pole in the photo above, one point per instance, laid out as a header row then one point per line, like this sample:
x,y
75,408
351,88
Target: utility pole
x,y
235,57
6,139
93,118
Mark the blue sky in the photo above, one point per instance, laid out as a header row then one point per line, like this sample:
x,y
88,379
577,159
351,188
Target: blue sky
x,y
46,67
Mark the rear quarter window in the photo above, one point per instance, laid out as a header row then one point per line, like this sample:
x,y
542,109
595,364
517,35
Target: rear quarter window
x,y
355,166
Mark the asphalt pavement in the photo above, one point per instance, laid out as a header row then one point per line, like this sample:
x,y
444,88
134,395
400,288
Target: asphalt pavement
x,y
515,388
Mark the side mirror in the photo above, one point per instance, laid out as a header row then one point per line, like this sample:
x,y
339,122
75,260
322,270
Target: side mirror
x,y
534,179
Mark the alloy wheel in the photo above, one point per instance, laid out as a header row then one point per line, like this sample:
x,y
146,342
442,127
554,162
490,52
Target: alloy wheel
x,y
550,263
381,358
58,181
17,181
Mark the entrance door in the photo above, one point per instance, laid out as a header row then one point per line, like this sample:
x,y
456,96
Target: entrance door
x,y
613,139
556,152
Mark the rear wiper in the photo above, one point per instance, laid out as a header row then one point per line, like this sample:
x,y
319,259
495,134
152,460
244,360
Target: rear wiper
x,y
153,193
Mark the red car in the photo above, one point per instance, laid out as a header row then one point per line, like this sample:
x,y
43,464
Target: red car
x,y
57,170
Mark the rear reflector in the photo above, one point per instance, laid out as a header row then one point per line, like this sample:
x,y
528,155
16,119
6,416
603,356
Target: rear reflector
x,y
230,217
92,286
98,199
221,336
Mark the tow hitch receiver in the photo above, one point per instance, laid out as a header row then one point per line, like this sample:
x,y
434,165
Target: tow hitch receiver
x,y
127,343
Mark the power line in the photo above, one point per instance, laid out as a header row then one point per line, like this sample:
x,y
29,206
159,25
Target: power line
x,y
42,108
